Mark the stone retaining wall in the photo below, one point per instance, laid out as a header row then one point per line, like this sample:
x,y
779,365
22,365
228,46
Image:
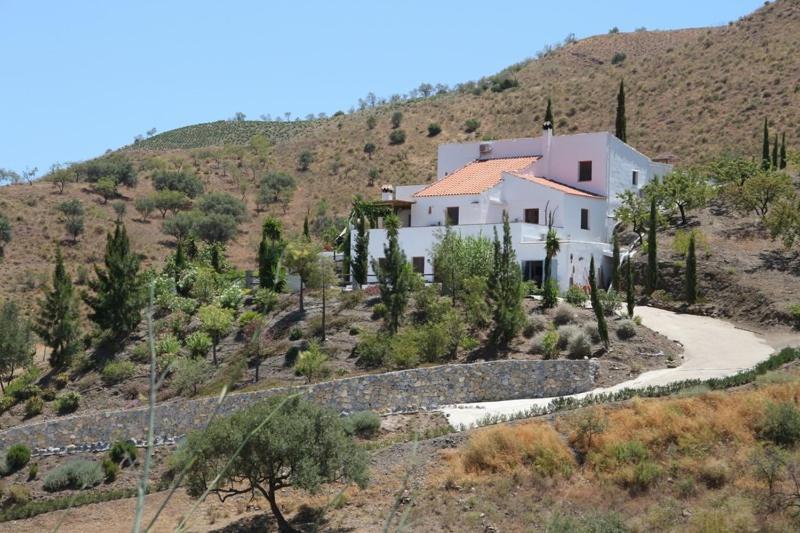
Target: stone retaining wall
x,y
406,390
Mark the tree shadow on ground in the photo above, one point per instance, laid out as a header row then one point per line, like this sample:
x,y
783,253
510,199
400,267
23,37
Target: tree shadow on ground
x,y
307,519
746,230
787,261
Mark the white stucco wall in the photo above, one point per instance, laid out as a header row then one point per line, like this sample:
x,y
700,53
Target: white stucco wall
x,y
455,155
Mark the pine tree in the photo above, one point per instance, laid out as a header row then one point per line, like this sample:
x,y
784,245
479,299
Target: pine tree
x,y
505,290
615,279
597,306
775,153
652,256
117,297
270,251
765,147
691,272
394,276
548,115
629,287
621,131
58,322
360,264
782,157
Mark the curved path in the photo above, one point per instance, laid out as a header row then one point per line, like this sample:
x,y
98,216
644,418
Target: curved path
x,y
713,348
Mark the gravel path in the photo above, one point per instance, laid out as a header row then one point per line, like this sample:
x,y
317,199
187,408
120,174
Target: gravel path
x,y
713,348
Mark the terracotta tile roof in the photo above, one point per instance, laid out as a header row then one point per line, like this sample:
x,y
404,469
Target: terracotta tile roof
x,y
475,177
555,185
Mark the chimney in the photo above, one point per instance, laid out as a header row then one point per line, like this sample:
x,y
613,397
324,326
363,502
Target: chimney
x,y
387,192
547,139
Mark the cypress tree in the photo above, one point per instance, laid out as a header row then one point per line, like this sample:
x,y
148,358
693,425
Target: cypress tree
x,y
629,288
191,248
621,132
346,251
782,157
652,259
216,258
615,279
775,153
306,233
505,289
58,322
270,251
117,297
765,147
360,265
597,306
552,247
691,272
394,277
548,115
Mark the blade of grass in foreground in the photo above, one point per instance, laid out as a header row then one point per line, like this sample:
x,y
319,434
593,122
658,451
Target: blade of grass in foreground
x,y
211,486
151,417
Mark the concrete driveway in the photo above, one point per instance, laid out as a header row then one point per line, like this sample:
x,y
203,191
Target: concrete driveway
x,y
713,348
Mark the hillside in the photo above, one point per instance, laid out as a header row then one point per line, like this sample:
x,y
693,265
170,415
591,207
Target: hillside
x,y
694,93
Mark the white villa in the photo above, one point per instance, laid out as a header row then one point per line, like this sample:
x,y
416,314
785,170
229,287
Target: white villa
x,y
575,177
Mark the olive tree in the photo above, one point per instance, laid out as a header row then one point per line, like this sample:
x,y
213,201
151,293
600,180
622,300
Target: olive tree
x,y
269,446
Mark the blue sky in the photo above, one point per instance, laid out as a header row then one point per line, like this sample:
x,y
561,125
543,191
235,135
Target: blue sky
x,y
79,77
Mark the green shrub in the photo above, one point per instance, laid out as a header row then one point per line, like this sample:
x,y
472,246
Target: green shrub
x,y
291,356
168,345
680,243
265,299
231,296
579,346
563,314
247,317
794,310
641,478
434,129
687,487
76,475
354,330
123,452
17,457
311,362
575,296
781,424
617,58
378,311
34,406
33,471
24,386
403,350
372,350
365,424
61,380
295,334
117,372
68,402
546,344
610,300
110,470
351,299
140,353
534,325
626,329
19,495
471,125
397,137
198,344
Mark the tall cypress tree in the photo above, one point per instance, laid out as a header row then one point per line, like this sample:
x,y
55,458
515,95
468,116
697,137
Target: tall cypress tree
x,y
346,252
58,321
394,277
629,287
306,233
597,306
621,132
117,298
548,115
765,147
652,257
775,153
505,289
270,251
615,279
691,272
360,264
782,157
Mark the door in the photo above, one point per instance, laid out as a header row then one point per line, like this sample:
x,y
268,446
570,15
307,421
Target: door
x,y
452,216
533,271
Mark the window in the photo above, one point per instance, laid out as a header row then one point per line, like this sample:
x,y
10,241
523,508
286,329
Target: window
x,y
584,171
635,177
584,219
533,271
532,216
418,264
452,216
